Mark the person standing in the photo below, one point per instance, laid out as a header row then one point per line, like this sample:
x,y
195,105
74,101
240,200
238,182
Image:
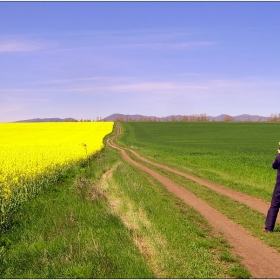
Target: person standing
x,y
275,201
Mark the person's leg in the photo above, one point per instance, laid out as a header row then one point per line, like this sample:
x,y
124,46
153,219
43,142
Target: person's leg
x,y
273,210
271,217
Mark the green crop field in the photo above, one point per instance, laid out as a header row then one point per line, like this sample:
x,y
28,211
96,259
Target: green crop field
x,y
237,155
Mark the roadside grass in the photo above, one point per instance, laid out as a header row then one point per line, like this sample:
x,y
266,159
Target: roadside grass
x,y
237,155
251,220
70,231
177,240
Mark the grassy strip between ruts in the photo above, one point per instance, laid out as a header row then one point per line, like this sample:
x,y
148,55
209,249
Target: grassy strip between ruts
x,y
119,226
250,219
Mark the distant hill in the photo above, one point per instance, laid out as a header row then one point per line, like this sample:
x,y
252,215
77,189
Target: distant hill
x,y
240,118
245,117
115,117
49,120
222,117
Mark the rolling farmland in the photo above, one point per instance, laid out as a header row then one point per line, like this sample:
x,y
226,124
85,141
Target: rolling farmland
x,y
260,259
129,198
238,155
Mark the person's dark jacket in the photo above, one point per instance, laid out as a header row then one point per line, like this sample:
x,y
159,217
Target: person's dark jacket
x,y
276,165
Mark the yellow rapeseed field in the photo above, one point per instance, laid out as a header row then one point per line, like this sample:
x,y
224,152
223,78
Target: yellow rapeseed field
x,y
33,155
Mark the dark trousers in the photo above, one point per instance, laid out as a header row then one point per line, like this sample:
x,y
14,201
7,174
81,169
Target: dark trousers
x,y
273,209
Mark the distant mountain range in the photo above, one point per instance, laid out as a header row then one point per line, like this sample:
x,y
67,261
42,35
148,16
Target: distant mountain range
x,y
116,117
219,118
244,117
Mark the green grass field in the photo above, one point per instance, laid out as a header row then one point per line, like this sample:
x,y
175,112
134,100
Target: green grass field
x,y
237,155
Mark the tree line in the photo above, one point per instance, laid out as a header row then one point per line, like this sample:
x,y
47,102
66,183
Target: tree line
x,y
184,118
274,118
200,117
192,118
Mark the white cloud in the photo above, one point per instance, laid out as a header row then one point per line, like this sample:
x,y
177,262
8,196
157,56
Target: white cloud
x,y
165,39
12,45
102,84
164,45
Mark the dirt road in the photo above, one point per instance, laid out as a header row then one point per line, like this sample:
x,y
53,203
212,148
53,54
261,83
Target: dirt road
x,y
261,260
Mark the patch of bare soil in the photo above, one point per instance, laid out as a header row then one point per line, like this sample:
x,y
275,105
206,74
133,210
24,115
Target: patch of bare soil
x,y
261,260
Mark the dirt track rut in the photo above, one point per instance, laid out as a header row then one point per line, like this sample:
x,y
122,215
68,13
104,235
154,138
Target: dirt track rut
x,y
261,260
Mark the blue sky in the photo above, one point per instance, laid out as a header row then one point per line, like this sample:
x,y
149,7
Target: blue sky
x,y
93,59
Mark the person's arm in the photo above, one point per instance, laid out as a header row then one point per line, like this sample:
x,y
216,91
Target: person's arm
x,y
276,163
